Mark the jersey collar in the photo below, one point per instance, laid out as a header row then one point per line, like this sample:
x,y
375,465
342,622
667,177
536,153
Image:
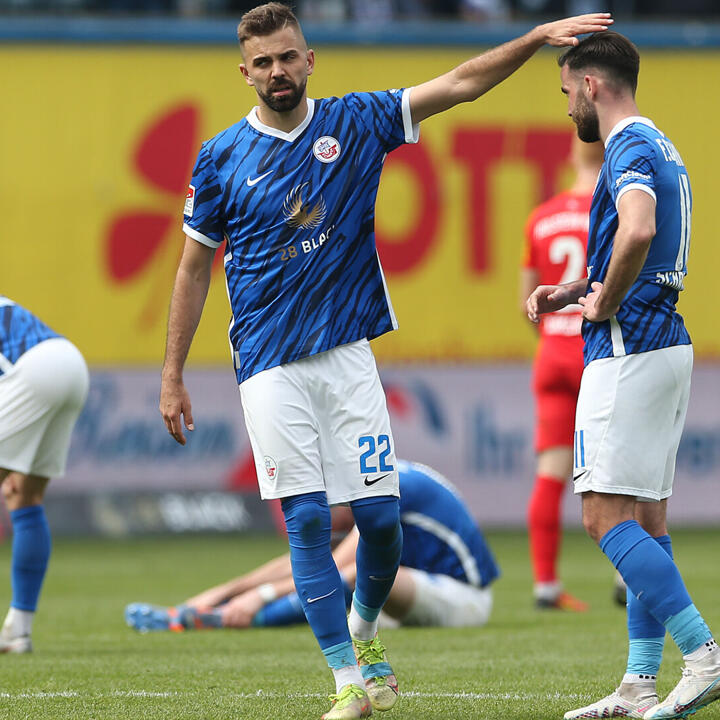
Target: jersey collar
x,y
628,121
253,119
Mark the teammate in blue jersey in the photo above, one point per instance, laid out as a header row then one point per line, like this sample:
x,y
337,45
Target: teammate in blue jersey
x,y
636,382
43,386
290,189
446,570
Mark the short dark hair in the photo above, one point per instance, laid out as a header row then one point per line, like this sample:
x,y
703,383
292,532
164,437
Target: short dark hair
x,y
265,20
608,51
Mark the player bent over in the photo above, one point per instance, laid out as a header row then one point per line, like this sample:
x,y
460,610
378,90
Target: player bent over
x,y
43,386
444,579
291,189
636,383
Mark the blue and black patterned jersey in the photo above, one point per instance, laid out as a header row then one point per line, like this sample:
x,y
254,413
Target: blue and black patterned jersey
x,y
19,331
439,533
297,211
638,156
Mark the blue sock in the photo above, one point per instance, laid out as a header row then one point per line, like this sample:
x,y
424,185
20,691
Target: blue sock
x,y
286,610
647,635
317,580
30,555
378,552
654,579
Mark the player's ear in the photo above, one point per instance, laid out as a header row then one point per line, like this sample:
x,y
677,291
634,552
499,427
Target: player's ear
x,y
589,86
310,66
246,74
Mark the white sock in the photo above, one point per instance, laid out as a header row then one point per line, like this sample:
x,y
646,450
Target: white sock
x,y
18,623
547,590
707,654
361,629
635,686
348,675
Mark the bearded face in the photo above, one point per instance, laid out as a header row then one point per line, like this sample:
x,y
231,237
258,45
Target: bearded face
x,y
283,95
585,116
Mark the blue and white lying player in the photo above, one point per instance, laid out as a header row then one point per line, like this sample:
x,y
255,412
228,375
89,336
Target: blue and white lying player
x,y
636,382
444,579
43,386
290,189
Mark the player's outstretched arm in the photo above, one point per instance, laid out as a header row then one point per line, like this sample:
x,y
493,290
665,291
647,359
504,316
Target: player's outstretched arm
x,y
473,78
549,298
188,298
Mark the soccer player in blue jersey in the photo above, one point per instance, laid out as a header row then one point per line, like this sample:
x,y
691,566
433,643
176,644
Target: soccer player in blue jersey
x,y
290,189
444,579
636,382
43,386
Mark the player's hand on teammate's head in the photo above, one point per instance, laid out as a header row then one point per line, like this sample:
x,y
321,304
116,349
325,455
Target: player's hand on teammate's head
x,y
564,32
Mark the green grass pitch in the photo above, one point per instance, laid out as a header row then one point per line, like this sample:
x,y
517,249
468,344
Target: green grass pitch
x,y
526,664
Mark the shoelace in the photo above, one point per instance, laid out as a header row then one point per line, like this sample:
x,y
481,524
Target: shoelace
x,y
372,653
346,696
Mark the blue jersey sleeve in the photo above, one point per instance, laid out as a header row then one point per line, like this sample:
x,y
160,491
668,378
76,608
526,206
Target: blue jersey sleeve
x,y
203,219
386,114
630,165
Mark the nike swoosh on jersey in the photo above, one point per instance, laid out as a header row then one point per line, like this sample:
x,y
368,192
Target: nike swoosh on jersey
x,y
255,181
320,597
378,479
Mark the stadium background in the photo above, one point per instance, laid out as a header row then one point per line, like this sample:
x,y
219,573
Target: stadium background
x,y
101,124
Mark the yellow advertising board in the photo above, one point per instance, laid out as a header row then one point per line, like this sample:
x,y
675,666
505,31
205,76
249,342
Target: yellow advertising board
x,y
97,145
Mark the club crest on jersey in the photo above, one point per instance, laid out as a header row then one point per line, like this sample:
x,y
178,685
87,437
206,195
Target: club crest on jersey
x,y
298,212
190,201
270,467
326,149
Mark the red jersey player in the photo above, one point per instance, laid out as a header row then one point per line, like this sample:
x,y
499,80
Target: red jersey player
x,y
556,234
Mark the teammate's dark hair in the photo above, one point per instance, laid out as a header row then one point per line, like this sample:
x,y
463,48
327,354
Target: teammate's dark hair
x,y
265,20
606,51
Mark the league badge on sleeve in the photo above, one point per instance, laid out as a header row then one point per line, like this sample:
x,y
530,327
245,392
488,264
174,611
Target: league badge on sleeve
x,y
190,201
326,149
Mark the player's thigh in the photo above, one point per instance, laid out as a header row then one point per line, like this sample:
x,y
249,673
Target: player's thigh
x,y
47,378
67,395
443,601
283,430
356,442
626,423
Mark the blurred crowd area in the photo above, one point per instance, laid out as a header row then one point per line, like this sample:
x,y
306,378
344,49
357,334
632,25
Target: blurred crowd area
x,y
382,10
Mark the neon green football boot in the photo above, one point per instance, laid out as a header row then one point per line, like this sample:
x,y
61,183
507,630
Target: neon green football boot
x,y
380,681
350,703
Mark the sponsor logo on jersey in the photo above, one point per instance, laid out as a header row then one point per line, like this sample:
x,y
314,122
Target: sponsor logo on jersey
x,y
326,149
630,175
270,467
298,213
190,201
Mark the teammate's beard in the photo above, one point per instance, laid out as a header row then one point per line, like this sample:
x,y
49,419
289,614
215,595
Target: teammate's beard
x,y
286,103
586,118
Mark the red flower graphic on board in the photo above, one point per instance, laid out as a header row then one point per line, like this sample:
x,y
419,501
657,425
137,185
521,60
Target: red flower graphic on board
x,y
140,239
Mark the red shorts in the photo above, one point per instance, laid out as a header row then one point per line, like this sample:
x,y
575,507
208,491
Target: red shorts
x,y
557,371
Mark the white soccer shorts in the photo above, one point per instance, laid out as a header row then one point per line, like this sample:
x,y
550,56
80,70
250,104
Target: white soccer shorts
x,y
443,601
320,424
630,416
41,396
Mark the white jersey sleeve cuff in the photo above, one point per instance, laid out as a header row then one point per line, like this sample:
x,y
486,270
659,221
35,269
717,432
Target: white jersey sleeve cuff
x,y
204,239
412,132
635,186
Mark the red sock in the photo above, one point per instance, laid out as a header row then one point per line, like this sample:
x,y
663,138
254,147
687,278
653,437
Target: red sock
x,y
544,526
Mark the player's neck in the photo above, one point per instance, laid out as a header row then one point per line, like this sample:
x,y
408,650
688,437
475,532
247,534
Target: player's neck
x,y
284,121
613,115
585,180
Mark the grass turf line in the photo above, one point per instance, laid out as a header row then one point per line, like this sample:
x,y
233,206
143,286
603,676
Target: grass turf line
x,y
525,664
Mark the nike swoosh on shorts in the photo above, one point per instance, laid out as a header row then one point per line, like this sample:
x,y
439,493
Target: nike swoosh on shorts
x,y
372,482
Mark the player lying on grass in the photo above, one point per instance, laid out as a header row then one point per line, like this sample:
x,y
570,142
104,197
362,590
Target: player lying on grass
x,y
444,578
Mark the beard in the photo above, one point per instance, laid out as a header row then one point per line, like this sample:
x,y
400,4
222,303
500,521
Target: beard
x,y
586,118
285,103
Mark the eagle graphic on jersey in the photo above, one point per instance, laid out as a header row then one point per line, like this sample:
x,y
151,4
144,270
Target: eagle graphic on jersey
x,y
298,213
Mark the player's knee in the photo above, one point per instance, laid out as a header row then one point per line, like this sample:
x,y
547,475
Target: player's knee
x,y
593,527
378,522
19,493
307,516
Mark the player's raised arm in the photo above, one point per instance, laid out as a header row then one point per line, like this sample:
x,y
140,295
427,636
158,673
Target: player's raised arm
x,y
473,78
188,298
